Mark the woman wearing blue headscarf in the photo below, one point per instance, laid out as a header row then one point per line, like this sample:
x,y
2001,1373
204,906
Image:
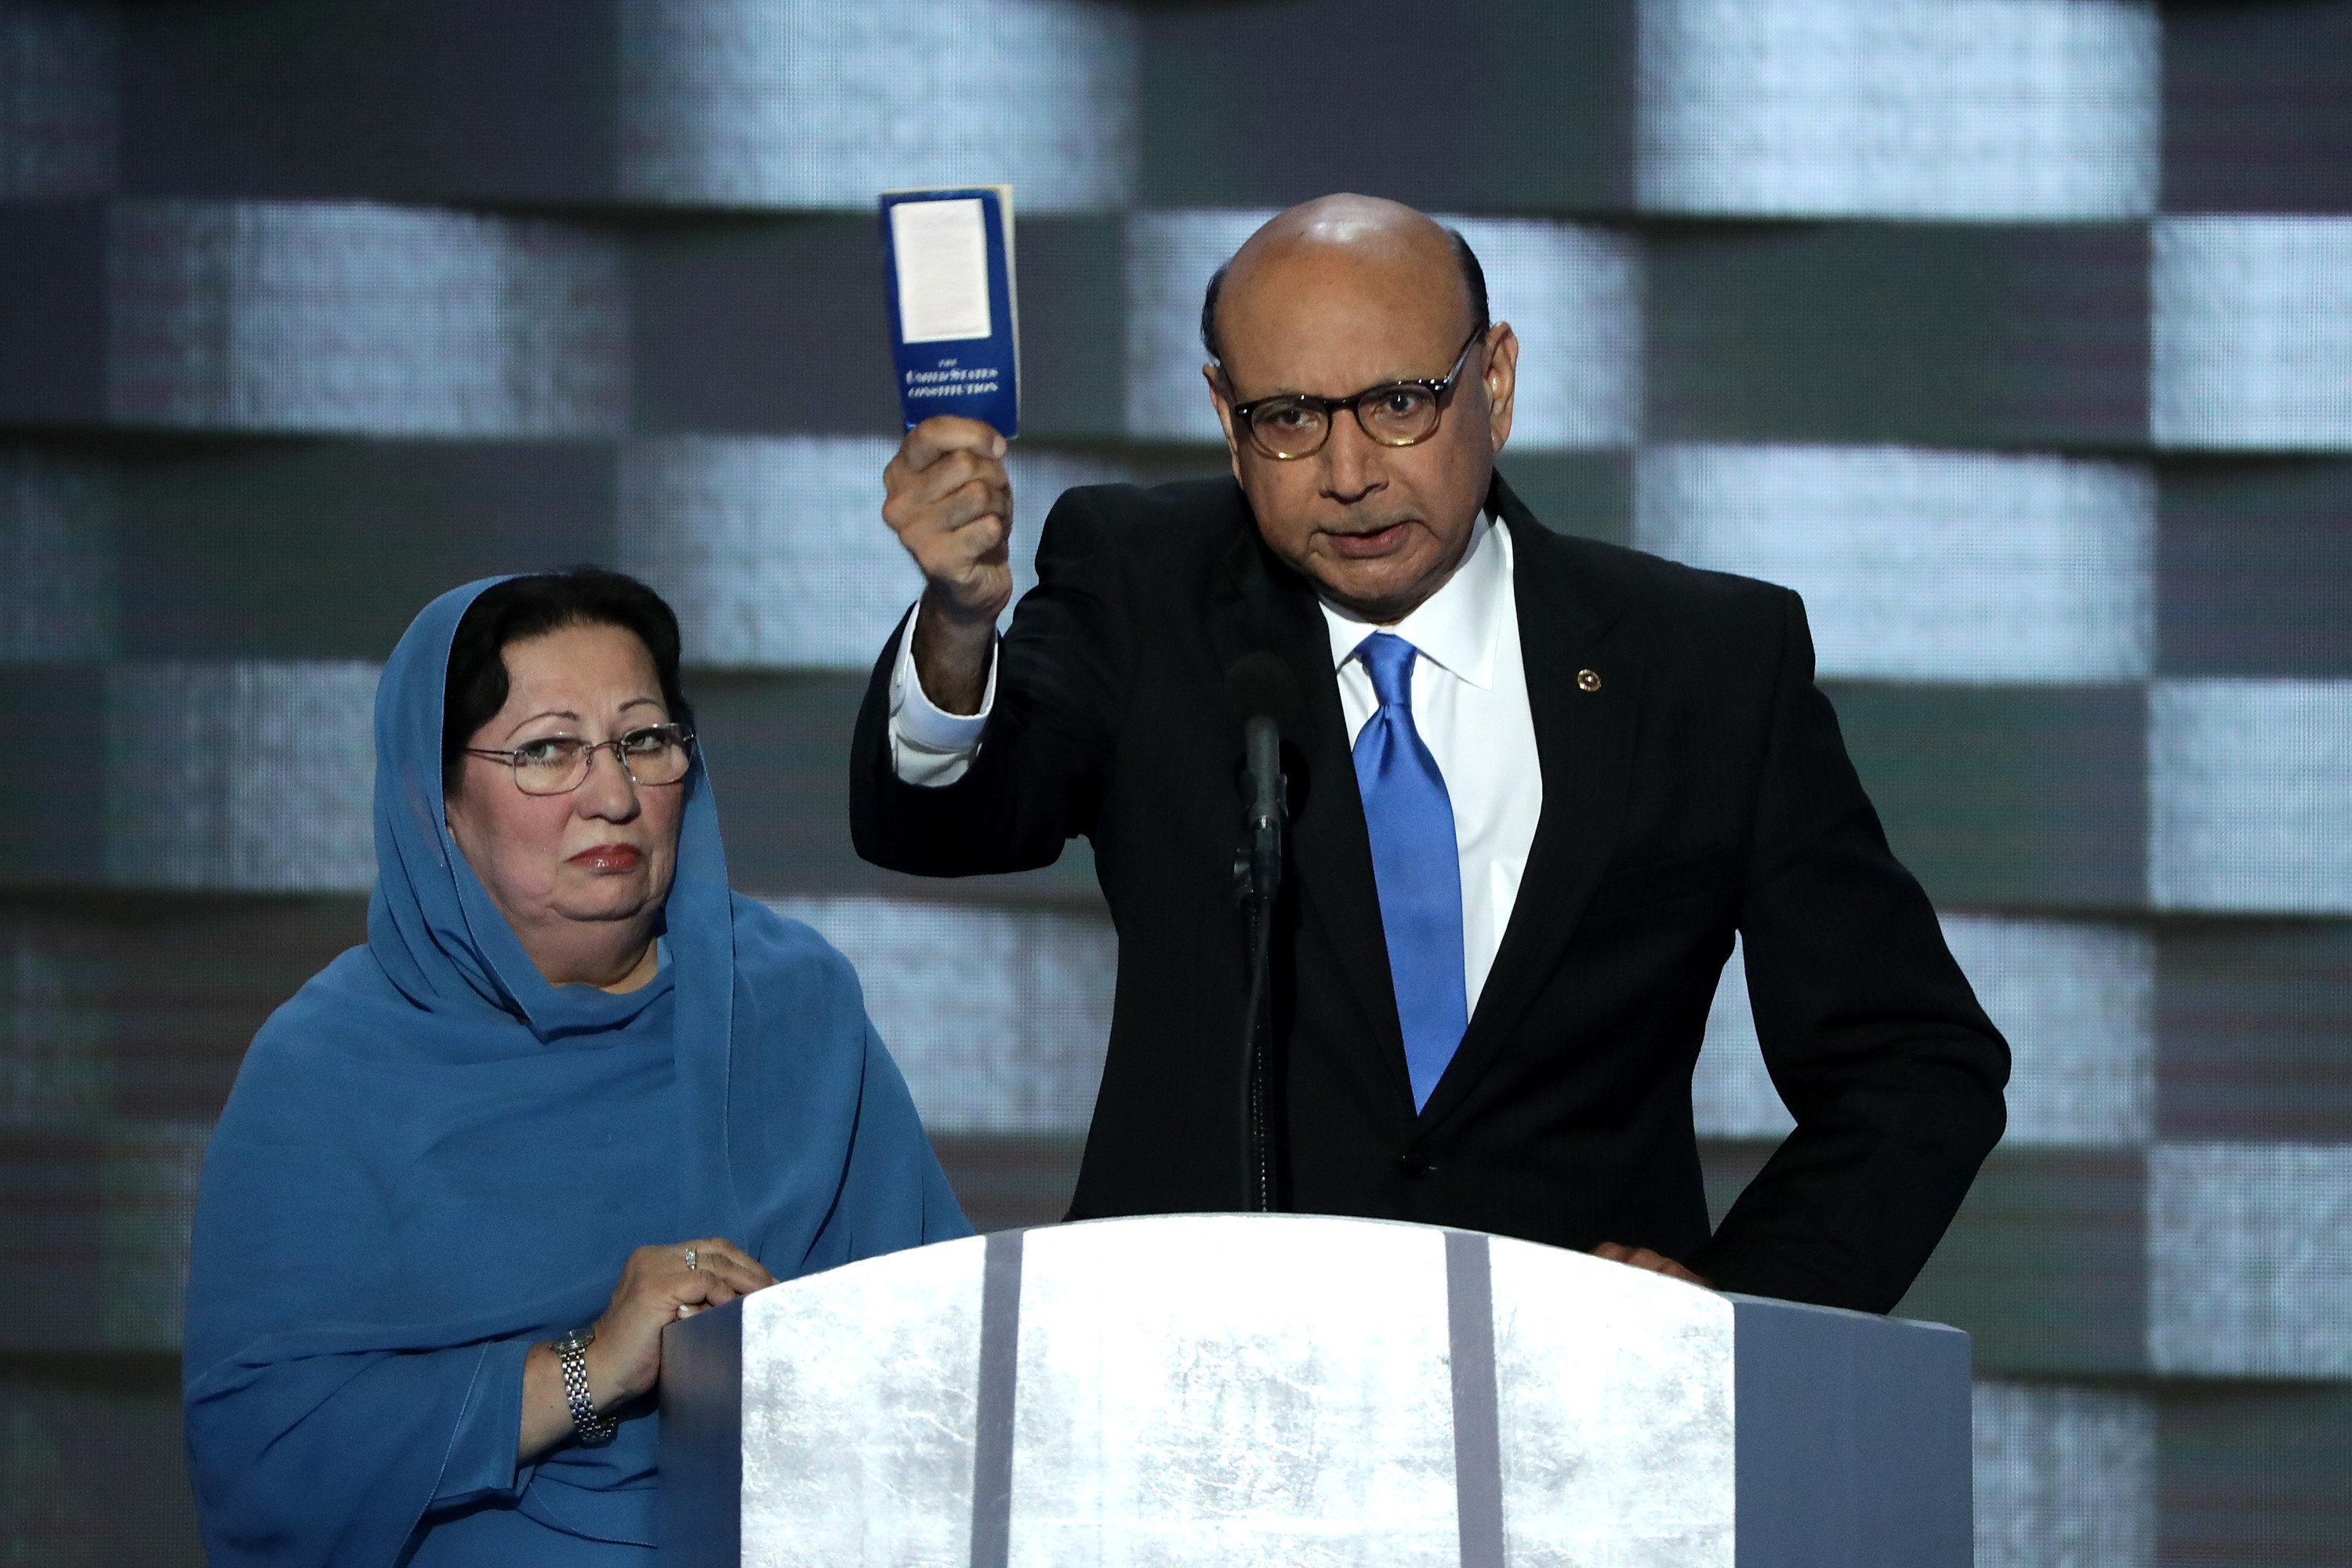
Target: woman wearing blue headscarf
x,y
570,1090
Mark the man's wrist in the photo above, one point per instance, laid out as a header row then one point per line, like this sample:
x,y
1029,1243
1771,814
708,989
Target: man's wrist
x,y
942,609
952,655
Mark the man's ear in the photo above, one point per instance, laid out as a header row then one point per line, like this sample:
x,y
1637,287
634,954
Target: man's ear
x,y
1215,376
1502,380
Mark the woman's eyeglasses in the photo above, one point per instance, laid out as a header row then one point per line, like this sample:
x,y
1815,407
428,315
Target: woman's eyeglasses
x,y
558,764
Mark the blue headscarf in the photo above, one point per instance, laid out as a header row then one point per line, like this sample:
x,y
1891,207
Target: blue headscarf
x,y
432,1158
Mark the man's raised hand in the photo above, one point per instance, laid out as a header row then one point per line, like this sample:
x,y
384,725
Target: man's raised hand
x,y
950,503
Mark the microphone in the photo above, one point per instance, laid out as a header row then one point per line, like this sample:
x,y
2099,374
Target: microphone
x,y
1261,690
1261,683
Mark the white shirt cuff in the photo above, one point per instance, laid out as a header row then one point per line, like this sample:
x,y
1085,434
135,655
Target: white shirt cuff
x,y
929,747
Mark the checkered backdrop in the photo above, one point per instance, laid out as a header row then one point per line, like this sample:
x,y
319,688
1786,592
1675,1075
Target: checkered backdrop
x,y
2017,334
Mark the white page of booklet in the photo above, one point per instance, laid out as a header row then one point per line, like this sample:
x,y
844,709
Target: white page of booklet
x,y
941,249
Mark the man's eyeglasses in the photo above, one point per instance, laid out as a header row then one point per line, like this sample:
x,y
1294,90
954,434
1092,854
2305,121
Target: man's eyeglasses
x,y
558,764
1394,414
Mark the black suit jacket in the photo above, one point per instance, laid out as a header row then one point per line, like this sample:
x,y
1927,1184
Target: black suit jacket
x,y
1699,788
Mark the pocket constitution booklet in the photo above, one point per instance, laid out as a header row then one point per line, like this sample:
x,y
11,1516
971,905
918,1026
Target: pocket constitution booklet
x,y
955,317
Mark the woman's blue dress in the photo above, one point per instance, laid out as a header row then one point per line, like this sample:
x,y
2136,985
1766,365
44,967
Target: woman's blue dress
x,y
433,1159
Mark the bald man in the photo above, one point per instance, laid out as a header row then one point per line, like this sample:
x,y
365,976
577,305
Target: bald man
x,y
1537,785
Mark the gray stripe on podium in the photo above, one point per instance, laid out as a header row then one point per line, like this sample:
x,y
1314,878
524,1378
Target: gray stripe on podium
x,y
1477,1422
1000,1369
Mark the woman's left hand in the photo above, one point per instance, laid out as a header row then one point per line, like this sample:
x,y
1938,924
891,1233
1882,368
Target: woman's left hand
x,y
656,1289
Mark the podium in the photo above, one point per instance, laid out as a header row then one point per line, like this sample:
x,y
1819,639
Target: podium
x,y
1227,1389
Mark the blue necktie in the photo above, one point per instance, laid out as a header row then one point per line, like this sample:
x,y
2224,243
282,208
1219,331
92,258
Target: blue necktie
x,y
1415,864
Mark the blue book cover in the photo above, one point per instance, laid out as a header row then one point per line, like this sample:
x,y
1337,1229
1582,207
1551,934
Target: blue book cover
x,y
955,316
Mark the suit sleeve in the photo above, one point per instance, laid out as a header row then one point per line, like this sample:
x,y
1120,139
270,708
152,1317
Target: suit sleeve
x,y
1870,1033
1037,778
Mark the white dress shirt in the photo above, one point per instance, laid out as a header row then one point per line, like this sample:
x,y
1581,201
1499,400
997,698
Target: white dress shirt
x,y
1469,705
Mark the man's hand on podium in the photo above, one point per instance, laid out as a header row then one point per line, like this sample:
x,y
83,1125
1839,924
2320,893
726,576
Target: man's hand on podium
x,y
1643,1257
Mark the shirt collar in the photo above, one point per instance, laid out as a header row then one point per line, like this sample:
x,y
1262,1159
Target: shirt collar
x,y
1455,627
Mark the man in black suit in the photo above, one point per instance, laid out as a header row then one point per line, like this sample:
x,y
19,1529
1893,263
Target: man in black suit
x,y
1537,783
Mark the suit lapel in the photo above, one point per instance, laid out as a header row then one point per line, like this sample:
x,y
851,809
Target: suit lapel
x,y
1260,606
1584,742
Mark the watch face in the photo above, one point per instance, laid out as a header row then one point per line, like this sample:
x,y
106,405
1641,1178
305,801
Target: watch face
x,y
577,1338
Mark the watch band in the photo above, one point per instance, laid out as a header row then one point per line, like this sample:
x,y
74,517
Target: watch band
x,y
572,1350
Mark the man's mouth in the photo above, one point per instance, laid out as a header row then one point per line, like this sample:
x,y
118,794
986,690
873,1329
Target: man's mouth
x,y
1369,544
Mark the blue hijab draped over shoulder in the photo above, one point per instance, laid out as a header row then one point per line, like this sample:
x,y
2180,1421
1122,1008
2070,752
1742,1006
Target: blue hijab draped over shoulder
x,y
432,1158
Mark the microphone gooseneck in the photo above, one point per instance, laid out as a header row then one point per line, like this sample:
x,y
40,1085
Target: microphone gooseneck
x,y
1260,689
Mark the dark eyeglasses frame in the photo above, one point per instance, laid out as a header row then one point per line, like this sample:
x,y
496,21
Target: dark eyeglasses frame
x,y
513,759
1441,389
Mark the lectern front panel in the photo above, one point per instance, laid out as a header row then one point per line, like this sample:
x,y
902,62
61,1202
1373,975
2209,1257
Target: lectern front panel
x,y
1278,1388
861,1394
1616,1411
1198,1392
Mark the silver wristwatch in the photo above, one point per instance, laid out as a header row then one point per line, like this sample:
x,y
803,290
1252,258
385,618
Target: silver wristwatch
x,y
572,1350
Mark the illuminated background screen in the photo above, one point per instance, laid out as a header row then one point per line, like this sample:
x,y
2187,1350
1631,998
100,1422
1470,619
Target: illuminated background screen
x,y
2017,334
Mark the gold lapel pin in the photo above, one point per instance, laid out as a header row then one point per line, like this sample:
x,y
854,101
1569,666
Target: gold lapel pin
x,y
1588,680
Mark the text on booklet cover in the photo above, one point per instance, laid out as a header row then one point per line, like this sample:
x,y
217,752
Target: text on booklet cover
x,y
955,319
